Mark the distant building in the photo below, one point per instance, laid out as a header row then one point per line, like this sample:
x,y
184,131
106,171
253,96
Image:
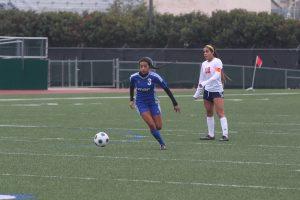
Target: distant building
x,y
208,6
57,5
287,8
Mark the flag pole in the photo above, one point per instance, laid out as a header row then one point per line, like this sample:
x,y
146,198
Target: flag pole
x,y
253,77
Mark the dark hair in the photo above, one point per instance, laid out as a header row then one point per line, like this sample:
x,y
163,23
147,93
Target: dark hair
x,y
147,60
212,49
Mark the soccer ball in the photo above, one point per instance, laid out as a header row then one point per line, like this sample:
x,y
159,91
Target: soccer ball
x,y
101,139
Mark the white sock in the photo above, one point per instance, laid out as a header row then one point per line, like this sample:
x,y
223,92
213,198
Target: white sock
x,y
224,126
211,126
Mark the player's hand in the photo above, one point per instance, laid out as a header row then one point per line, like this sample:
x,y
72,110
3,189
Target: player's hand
x,y
198,93
177,109
131,104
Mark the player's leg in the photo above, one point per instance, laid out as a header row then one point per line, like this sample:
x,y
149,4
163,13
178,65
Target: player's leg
x,y
156,116
209,107
148,118
219,106
158,121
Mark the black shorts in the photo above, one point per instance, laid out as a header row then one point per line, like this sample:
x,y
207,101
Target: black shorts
x,y
210,96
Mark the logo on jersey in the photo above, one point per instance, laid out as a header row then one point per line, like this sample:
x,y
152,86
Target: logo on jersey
x,y
143,89
149,81
207,70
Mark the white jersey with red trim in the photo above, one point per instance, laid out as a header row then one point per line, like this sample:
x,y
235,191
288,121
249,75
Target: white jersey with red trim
x,y
210,75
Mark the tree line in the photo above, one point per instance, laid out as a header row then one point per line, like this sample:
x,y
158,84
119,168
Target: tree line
x,y
129,27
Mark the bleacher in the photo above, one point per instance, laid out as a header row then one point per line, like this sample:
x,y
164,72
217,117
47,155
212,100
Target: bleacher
x,y
56,5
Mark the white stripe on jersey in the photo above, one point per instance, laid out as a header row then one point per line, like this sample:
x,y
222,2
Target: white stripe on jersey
x,y
157,76
135,74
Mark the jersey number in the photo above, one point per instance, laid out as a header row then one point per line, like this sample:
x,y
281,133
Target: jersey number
x,y
149,81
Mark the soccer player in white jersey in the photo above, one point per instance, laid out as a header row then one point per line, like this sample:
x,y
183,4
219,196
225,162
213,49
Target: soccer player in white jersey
x,y
210,83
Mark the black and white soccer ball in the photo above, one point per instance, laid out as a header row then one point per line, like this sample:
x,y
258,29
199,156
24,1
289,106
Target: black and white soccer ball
x,y
101,139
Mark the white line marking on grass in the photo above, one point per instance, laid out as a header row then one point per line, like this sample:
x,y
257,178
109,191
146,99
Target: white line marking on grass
x,y
50,177
78,104
22,126
275,146
34,105
269,123
208,184
95,128
125,97
154,181
263,99
26,105
146,158
277,133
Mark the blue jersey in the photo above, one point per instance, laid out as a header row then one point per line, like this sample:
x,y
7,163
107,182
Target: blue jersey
x,y
145,86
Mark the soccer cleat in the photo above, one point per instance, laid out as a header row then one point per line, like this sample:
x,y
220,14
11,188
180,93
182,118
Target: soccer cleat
x,y
224,139
163,147
207,137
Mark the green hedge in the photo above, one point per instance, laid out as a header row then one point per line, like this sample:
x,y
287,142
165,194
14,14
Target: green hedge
x,y
129,27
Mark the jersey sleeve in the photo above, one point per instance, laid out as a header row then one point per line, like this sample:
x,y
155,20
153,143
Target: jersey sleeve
x,y
131,79
201,75
218,65
160,81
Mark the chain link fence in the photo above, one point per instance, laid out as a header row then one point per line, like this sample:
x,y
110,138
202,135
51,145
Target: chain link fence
x,y
115,73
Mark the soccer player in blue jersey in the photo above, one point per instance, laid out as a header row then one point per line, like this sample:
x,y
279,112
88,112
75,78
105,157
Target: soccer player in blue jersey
x,y
146,101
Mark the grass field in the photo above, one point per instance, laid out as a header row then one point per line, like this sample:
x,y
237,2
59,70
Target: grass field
x,y
46,148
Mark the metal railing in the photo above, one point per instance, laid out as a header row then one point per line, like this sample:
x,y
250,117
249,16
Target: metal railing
x,y
116,73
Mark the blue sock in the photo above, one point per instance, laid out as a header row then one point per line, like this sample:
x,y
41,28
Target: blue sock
x,y
157,136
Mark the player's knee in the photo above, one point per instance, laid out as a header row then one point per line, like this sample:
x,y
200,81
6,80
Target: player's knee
x,y
152,126
158,127
209,113
221,114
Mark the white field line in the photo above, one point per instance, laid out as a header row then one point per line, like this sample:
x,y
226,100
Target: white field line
x,y
131,139
208,184
189,132
199,184
270,123
235,162
126,97
50,177
95,128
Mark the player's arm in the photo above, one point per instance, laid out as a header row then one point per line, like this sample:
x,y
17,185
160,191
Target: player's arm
x,y
199,89
163,84
131,93
218,70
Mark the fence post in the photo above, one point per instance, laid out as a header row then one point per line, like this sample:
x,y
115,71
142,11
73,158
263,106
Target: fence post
x,y
285,79
243,75
69,73
92,74
76,72
49,75
117,73
62,73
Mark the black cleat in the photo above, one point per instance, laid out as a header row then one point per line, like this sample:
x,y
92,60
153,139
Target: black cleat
x,y
224,139
208,137
163,147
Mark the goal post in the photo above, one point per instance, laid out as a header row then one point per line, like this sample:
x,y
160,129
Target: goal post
x,y
23,63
